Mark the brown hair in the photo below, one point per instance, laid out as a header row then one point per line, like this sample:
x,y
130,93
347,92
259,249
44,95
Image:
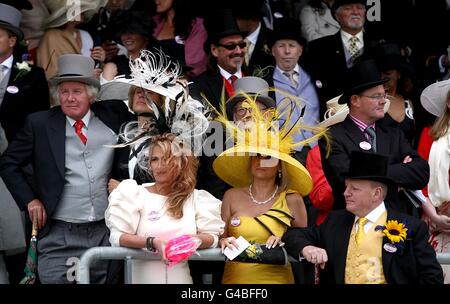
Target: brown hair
x,y
183,165
441,125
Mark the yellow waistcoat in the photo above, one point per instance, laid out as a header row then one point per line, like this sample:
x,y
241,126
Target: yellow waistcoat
x,y
364,264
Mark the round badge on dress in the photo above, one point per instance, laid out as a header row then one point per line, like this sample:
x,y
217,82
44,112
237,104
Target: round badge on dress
x,y
12,89
153,216
390,247
365,145
319,84
235,221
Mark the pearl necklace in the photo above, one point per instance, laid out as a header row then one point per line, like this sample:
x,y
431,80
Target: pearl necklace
x,y
263,202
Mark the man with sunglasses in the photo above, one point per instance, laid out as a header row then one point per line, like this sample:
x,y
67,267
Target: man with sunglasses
x,y
226,50
363,130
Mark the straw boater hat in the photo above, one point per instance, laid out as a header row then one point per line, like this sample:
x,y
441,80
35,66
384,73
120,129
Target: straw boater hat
x,y
10,20
266,136
250,86
434,97
337,112
63,11
75,67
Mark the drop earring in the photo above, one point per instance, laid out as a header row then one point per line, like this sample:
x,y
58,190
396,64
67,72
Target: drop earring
x,y
279,174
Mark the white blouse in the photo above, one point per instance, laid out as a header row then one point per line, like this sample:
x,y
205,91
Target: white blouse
x,y
134,210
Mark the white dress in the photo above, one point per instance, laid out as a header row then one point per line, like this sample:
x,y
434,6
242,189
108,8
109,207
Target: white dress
x,y
134,210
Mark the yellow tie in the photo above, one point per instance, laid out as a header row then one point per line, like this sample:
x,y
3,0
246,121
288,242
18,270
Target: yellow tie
x,y
360,234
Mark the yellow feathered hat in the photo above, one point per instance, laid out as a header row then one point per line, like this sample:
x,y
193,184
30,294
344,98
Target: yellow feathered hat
x,y
266,135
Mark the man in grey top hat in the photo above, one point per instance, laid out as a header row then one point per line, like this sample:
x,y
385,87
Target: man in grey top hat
x,y
67,147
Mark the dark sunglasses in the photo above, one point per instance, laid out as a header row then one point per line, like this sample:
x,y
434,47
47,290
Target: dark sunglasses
x,y
232,46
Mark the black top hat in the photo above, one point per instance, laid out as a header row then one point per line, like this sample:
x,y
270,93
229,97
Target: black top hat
x,y
222,24
286,28
338,3
360,77
370,166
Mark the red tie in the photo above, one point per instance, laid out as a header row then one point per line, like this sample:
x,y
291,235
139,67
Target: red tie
x,y
78,127
233,79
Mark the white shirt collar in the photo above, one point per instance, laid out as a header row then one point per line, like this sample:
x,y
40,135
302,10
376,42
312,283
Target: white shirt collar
x,y
253,37
375,214
227,75
346,36
8,62
296,69
85,119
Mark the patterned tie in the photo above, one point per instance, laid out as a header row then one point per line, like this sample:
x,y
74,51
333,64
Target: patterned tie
x,y
290,75
2,74
78,127
353,47
360,234
249,51
372,137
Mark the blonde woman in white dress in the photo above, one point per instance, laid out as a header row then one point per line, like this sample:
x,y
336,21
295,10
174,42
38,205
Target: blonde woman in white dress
x,y
149,215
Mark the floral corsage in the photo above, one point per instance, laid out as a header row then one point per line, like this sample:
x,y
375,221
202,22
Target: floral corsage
x,y
23,69
396,232
257,253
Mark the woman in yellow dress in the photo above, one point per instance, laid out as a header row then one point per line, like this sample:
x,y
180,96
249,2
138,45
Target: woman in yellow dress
x,y
267,196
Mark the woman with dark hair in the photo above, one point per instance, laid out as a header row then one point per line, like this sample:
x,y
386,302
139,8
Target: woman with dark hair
x,y
393,66
181,34
135,31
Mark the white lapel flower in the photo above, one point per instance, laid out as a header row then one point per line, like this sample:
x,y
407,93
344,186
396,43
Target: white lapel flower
x,y
23,68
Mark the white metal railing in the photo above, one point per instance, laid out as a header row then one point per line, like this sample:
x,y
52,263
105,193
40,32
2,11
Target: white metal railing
x,y
128,254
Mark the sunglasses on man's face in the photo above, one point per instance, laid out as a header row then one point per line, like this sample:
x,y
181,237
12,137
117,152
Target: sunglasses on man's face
x,y
232,46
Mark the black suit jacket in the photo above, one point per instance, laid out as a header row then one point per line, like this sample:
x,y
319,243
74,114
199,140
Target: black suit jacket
x,y
415,263
41,142
210,83
32,96
325,62
391,142
260,56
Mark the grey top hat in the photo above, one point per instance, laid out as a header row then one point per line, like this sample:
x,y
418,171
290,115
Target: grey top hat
x,y
75,67
252,86
10,20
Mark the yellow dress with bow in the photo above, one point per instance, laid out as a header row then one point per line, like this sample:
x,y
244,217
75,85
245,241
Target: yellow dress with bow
x,y
256,229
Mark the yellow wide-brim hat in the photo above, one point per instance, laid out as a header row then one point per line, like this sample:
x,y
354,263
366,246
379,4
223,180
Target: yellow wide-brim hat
x,y
233,167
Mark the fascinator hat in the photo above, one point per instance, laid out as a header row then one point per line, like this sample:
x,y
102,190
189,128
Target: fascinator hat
x,y
434,97
180,114
270,134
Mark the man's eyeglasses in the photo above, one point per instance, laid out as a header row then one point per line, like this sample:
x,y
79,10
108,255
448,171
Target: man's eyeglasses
x,y
232,46
376,96
241,111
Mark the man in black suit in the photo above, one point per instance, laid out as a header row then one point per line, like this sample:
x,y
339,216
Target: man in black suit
x,y
66,146
329,57
226,49
23,90
363,244
363,130
249,18
23,87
